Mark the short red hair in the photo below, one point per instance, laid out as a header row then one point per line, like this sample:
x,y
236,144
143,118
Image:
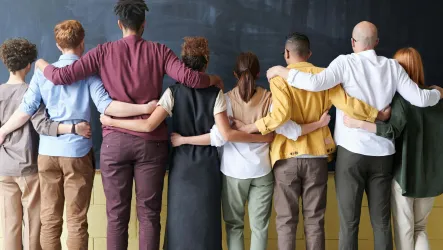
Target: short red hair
x,y
69,34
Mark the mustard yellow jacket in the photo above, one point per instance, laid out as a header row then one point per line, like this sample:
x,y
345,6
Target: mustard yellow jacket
x,y
304,107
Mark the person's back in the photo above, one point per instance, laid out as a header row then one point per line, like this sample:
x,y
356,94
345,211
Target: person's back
x,y
193,114
307,107
251,159
419,145
376,84
24,162
66,104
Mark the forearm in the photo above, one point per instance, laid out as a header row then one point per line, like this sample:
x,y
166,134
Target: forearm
x,y
309,127
199,140
368,126
17,120
239,136
64,129
133,125
122,109
250,128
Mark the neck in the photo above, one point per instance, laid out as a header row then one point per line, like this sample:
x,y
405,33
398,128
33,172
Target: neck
x,y
296,60
72,52
128,32
17,78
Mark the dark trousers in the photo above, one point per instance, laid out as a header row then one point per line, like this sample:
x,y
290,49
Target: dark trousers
x,y
307,179
355,174
125,158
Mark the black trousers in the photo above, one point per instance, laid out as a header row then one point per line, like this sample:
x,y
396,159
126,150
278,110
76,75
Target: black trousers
x,y
354,175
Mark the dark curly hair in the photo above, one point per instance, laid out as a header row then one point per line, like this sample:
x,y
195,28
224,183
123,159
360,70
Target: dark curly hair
x,y
131,13
195,52
17,53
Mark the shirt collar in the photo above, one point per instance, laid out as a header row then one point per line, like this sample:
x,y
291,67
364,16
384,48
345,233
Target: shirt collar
x,y
300,65
69,57
369,52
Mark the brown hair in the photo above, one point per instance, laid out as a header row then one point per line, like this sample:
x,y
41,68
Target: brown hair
x,y
69,34
246,70
195,52
18,53
410,60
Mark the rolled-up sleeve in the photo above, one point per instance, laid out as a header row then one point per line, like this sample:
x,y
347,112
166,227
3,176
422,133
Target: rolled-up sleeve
x,y
289,129
217,139
167,101
42,124
32,98
282,108
98,93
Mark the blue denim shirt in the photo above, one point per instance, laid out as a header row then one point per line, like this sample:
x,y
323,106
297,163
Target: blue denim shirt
x,y
66,104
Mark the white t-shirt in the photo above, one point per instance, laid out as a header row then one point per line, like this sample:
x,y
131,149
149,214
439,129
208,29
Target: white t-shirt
x,y
372,79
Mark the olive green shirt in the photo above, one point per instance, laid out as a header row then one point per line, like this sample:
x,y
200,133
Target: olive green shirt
x,y
419,147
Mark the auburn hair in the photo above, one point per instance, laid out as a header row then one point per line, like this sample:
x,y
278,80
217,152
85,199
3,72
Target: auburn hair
x,y
246,70
410,60
69,34
195,53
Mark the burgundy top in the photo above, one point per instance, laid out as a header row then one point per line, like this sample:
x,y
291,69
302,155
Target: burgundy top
x,y
132,71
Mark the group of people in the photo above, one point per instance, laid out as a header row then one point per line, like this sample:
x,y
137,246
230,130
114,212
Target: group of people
x,y
248,145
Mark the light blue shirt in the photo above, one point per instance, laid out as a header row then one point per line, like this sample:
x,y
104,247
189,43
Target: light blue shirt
x,y
66,104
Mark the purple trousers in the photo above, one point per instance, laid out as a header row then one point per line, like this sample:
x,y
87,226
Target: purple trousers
x,y
125,158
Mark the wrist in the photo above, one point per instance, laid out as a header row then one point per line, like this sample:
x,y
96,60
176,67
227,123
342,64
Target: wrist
x,y
2,133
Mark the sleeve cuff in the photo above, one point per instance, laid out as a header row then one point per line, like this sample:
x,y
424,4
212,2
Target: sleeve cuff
x,y
382,130
261,126
27,110
165,107
291,76
217,139
373,115
104,105
53,129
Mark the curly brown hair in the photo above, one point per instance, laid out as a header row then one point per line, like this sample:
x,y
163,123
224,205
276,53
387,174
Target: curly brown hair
x,y
195,52
17,53
69,34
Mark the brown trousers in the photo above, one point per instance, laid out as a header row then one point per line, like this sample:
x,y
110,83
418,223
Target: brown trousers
x,y
304,178
65,179
20,212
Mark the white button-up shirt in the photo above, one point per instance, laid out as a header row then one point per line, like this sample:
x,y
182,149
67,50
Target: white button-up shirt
x,y
372,79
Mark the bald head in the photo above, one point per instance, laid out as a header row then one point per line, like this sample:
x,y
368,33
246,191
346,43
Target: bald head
x,y
365,35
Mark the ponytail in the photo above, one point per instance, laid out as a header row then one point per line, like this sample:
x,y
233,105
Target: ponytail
x,y
246,85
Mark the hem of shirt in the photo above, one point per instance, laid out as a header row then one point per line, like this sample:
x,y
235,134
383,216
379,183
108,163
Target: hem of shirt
x,y
63,155
255,177
365,153
20,175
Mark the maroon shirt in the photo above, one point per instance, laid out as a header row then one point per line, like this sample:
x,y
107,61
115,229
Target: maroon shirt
x,y
132,71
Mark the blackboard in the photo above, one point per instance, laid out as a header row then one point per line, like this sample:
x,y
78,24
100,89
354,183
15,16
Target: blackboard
x,y
232,26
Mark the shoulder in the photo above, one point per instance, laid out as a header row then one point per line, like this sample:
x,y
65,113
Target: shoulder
x,y
278,82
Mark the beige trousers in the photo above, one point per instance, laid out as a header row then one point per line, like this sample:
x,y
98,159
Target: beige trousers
x,y
20,212
410,220
65,180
